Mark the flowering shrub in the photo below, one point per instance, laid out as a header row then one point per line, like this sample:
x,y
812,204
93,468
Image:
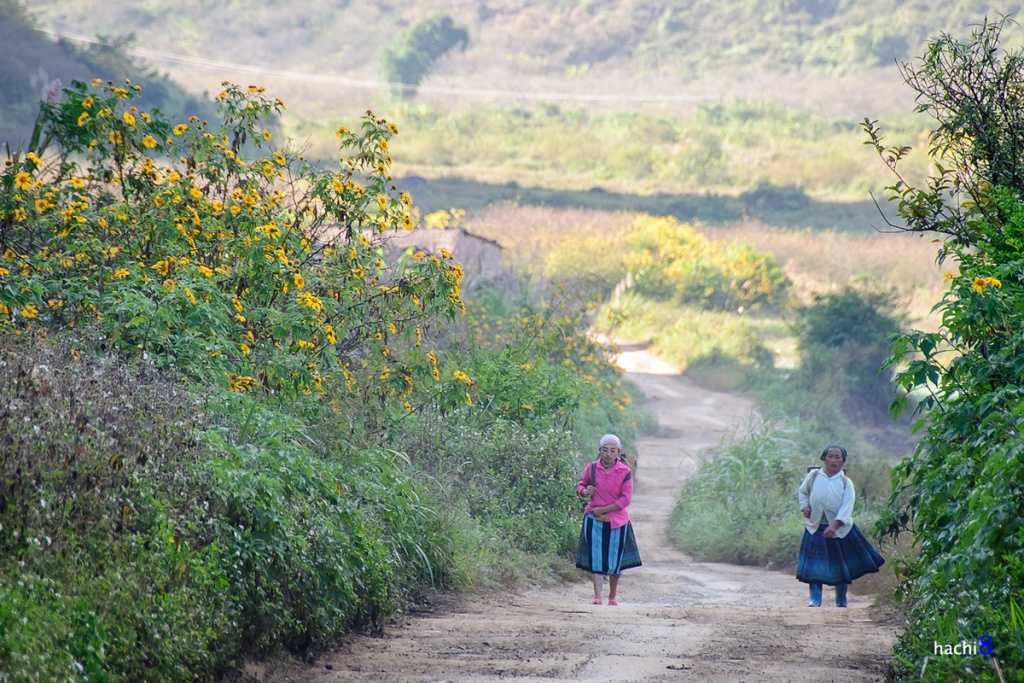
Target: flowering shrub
x,y
205,248
538,367
157,535
961,492
672,259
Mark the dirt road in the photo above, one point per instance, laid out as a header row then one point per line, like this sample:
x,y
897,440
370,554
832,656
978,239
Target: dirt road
x,y
677,619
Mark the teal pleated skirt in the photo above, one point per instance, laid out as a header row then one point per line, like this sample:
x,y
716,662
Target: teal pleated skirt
x,y
604,550
832,561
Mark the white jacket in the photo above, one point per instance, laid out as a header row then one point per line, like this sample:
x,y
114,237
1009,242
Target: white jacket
x,y
831,496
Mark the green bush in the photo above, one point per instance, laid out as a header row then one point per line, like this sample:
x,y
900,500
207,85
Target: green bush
x,y
160,536
518,483
843,340
94,460
539,367
544,392
669,259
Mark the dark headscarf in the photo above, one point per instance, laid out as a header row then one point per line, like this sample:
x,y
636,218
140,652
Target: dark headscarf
x,y
830,447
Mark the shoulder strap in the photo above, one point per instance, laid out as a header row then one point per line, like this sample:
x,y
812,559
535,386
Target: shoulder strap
x,y
593,473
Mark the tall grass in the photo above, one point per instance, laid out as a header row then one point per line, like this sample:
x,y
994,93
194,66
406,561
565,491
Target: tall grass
x,y
819,261
532,234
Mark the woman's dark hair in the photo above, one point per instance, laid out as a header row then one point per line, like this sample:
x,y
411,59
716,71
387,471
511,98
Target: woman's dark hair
x,y
830,447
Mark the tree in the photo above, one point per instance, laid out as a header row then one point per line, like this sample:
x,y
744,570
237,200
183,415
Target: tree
x,y
962,492
412,53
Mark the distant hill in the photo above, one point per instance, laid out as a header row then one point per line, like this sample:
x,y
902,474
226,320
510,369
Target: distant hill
x,y
774,48
32,61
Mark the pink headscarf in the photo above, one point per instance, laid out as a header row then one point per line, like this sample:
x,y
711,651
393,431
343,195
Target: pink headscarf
x,y
610,439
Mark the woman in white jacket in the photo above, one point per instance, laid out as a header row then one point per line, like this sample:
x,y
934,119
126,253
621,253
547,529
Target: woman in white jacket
x,y
833,551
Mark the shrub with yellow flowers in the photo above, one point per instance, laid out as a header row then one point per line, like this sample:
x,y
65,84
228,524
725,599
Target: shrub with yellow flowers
x,y
206,248
536,365
673,259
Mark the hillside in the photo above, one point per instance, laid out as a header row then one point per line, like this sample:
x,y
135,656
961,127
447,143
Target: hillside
x,y
820,53
32,61
677,109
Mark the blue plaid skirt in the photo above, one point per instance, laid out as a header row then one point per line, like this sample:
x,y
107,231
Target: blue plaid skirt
x,y
833,561
604,550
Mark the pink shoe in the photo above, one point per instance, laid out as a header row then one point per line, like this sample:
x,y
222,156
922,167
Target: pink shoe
x,y
612,603
595,601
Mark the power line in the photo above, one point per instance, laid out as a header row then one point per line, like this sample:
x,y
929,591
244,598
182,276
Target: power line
x,y
174,58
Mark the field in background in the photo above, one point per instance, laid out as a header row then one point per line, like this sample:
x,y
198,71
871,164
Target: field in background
x,y
722,160
544,241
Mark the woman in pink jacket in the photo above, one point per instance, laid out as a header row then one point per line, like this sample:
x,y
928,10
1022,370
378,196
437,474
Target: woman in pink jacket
x,y
607,544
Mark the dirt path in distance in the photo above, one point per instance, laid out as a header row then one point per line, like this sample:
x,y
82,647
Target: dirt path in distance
x,y
677,619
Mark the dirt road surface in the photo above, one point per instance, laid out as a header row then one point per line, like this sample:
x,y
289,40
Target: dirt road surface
x,y
677,619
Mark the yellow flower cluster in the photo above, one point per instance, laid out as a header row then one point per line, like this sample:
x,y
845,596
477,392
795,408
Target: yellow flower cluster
x,y
980,283
197,212
242,383
310,301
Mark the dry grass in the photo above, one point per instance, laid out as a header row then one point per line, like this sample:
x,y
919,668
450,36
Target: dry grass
x,y
530,233
821,262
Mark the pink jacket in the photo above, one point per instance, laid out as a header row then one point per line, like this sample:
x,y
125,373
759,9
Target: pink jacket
x,y
615,486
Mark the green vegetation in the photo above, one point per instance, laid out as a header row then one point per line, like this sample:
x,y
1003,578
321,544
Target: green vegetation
x,y
960,493
811,349
307,400
722,349
230,426
843,341
764,157
833,395
738,506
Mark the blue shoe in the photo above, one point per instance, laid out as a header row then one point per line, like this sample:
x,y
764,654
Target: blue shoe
x,y
815,600
841,594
